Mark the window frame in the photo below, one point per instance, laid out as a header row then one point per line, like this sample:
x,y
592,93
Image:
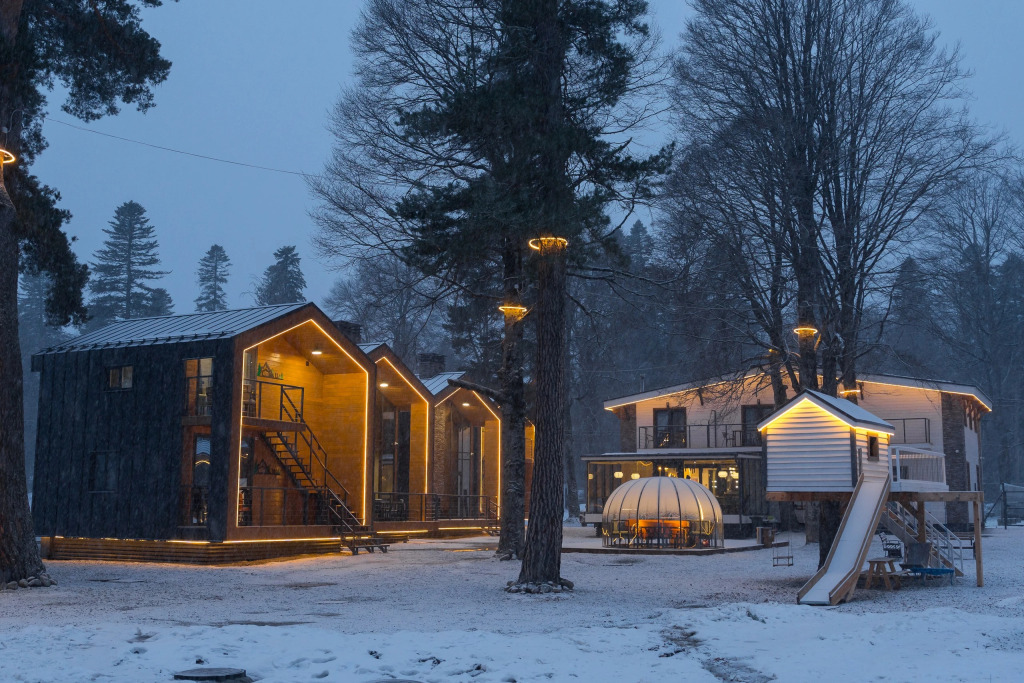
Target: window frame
x,y
120,370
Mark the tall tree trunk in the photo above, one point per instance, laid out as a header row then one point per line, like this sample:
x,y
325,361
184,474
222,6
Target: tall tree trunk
x,y
542,556
19,555
513,433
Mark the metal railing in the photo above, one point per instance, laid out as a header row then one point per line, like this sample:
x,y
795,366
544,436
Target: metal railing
x,y
917,465
193,505
910,429
272,400
282,506
712,435
199,396
946,548
431,507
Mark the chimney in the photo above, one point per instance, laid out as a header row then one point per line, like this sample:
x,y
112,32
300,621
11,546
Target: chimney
x,y
429,364
354,331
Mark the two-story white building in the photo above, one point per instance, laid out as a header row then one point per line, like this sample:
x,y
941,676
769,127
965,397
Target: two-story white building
x,y
707,431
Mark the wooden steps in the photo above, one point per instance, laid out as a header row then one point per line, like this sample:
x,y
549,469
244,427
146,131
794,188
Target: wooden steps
x,y
185,552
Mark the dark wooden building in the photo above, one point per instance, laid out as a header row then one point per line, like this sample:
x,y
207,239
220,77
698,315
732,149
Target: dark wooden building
x,y
249,426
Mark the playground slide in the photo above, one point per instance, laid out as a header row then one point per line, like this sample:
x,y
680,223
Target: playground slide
x,y
836,580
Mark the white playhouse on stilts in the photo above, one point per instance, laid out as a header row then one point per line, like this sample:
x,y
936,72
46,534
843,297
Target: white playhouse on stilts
x,y
821,448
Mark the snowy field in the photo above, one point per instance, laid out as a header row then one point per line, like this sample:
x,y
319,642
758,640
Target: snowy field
x,y
435,611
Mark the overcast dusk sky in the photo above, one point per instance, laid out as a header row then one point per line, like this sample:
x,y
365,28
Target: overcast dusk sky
x,y
254,84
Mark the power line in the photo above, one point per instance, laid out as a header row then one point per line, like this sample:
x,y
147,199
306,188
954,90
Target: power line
x,y
181,151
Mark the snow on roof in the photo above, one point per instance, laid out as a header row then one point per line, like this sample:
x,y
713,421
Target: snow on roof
x,y
439,382
367,347
872,378
847,411
175,328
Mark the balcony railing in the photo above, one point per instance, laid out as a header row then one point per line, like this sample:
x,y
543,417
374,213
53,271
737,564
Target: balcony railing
x,y
917,465
431,507
272,400
910,429
720,435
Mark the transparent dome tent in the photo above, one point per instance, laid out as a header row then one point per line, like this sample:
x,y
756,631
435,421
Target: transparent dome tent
x,y
662,512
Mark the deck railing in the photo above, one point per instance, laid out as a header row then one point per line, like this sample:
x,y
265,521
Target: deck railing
x,y
712,435
272,400
917,465
431,507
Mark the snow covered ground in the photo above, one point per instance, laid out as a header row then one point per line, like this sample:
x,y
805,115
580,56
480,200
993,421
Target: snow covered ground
x,y
435,611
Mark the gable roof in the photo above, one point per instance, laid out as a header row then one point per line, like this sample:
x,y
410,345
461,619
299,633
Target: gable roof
x,y
846,411
172,329
439,382
367,347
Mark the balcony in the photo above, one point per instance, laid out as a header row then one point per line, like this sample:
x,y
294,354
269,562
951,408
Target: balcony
x,y
910,430
699,436
917,469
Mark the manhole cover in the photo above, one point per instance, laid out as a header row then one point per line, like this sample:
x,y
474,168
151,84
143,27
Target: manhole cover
x,y
211,674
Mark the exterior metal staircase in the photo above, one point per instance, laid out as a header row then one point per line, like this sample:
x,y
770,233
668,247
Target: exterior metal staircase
x,y
946,548
305,460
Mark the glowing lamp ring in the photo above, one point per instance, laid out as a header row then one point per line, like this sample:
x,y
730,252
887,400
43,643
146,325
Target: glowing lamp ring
x,y
806,329
6,157
512,309
540,243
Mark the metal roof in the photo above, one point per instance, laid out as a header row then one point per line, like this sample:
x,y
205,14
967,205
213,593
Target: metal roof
x,y
439,382
173,329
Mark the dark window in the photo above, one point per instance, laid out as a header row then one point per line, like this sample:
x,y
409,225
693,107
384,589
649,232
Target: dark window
x,y
199,381
102,472
670,427
872,448
119,377
751,416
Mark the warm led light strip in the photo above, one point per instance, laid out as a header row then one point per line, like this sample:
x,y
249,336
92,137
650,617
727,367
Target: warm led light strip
x,y
426,440
366,408
6,157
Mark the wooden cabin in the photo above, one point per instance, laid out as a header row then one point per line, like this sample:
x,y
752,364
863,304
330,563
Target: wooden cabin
x,y
708,431
247,430
466,471
402,446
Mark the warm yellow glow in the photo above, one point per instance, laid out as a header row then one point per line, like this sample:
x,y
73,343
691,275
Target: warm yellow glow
x,y
459,528
403,532
317,352
849,392
835,417
945,391
498,419
426,438
548,243
6,157
590,476
366,411
465,404
635,475
383,385
513,309
805,329
617,475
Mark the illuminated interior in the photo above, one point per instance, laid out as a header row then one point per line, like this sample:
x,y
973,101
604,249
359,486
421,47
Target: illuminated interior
x,y
303,430
662,513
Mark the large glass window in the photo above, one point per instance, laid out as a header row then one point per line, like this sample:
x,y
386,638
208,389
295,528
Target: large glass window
x,y
670,428
199,381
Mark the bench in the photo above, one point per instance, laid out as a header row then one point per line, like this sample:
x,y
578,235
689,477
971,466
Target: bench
x,y
370,544
966,539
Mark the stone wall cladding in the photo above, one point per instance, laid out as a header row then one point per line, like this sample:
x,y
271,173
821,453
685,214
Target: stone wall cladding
x,y
442,451
953,423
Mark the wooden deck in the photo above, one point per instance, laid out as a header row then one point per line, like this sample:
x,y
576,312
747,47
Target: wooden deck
x,y
183,552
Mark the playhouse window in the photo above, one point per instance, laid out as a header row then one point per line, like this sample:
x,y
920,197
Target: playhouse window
x,y
872,448
119,377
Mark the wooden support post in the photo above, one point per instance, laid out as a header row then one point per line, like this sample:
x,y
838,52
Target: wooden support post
x,y
977,541
922,532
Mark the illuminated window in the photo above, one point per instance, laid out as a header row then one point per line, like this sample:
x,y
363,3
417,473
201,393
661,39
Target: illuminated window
x,y
119,377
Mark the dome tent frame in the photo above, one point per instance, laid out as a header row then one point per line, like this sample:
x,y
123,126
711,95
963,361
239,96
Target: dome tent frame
x,y
662,512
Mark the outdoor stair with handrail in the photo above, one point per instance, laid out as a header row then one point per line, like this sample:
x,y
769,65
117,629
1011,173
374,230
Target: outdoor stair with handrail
x,y
946,547
302,470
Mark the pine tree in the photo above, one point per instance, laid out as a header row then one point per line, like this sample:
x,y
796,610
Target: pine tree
x,y
159,303
282,283
124,266
211,276
102,57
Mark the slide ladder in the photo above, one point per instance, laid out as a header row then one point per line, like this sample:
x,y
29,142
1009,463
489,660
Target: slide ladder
x,y
835,581
946,548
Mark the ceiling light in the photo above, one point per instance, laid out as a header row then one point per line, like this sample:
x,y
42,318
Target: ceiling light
x,y
317,352
465,404
383,385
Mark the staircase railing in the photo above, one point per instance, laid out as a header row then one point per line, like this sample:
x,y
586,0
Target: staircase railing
x,y
946,546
